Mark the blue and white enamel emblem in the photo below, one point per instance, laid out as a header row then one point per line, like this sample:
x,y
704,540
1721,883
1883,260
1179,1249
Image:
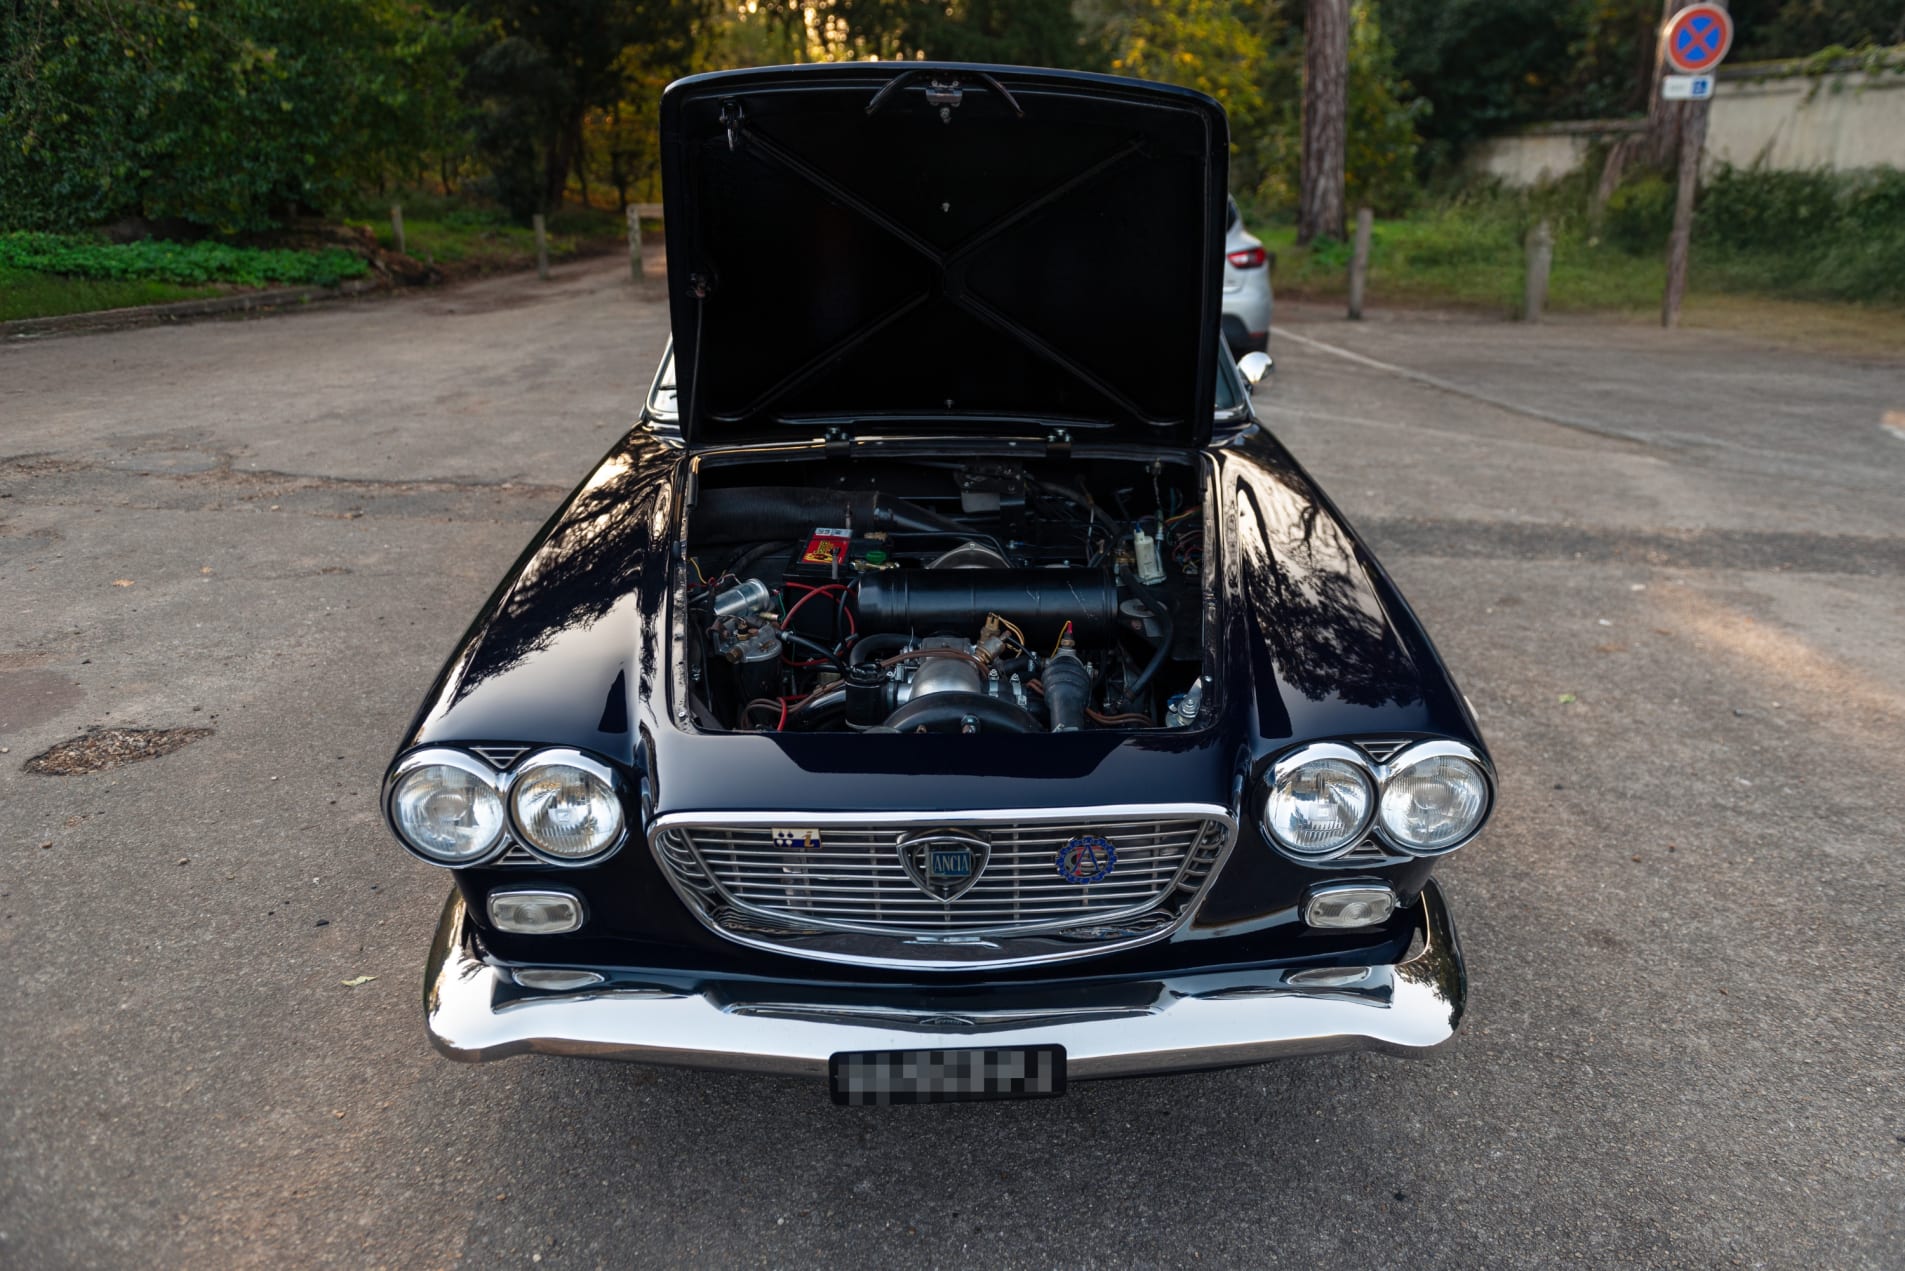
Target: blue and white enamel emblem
x,y
1087,858
944,863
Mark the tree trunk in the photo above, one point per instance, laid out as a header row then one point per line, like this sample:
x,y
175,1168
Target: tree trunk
x,y
1659,143
582,160
1325,118
1663,117
1692,143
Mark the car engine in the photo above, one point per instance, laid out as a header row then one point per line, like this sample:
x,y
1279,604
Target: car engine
x,y
948,597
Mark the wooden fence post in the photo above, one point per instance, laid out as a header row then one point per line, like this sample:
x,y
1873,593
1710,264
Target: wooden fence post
x,y
634,244
396,228
1540,249
542,249
1359,263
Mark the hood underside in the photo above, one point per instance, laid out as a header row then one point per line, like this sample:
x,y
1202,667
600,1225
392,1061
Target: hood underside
x,y
892,247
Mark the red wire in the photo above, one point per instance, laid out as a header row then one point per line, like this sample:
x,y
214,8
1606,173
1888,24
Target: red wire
x,y
815,591
783,719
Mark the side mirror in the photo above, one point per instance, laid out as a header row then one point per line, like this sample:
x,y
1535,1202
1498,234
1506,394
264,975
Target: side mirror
x,y
1253,367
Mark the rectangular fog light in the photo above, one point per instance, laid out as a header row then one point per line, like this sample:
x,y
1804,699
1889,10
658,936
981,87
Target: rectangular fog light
x,y
1349,905
535,913
557,979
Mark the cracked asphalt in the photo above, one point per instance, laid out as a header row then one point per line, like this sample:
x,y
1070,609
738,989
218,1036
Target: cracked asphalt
x,y
1669,571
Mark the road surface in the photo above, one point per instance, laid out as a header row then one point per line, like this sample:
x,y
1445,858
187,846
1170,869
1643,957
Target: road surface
x,y
1669,570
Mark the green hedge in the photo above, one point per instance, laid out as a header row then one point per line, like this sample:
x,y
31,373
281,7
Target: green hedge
x,y
80,257
1819,235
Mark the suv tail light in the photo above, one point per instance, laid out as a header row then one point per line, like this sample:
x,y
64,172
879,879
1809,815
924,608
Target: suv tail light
x,y
1248,258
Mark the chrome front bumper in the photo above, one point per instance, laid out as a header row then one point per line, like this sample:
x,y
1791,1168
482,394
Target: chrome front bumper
x,y
1178,1023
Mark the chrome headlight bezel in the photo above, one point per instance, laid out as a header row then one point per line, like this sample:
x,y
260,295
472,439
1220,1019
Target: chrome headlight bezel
x,y
1378,775
503,783
1301,757
566,757
462,761
1408,757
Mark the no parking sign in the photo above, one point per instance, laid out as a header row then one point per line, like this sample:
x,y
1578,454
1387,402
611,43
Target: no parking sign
x,y
1697,38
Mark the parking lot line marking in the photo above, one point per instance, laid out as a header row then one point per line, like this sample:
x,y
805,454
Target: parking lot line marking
x,y
1448,386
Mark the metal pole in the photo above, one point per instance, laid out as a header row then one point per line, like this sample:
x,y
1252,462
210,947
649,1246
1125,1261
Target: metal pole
x,y
1693,144
1540,259
1359,263
542,249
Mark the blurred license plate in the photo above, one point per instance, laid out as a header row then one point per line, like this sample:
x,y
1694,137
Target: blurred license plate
x,y
947,1076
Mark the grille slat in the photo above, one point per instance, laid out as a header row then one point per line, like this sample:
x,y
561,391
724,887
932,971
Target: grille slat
x,y
855,880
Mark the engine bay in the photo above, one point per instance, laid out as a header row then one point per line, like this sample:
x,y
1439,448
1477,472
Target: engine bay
x,y
947,596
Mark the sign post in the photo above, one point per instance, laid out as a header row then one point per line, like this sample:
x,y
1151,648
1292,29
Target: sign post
x,y
1693,43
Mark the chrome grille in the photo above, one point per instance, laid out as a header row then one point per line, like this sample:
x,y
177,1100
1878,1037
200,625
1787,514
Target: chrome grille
x,y
501,758
516,854
854,881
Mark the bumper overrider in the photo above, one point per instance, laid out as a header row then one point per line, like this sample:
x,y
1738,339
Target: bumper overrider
x,y
1177,1023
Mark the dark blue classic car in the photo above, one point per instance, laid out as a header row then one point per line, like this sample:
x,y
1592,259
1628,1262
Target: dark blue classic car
x,y
947,688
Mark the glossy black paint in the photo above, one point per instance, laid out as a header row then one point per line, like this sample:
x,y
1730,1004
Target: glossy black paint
x,y
1315,643
1309,639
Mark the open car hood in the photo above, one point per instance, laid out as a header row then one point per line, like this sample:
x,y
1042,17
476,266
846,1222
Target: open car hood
x,y
869,249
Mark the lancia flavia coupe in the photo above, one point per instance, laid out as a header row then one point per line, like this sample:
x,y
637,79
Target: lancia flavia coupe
x,y
947,689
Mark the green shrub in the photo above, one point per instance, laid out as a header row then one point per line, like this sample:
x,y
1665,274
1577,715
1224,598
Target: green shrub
x,y
1819,235
204,262
1640,215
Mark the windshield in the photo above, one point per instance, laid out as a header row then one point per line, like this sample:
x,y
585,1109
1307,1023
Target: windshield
x,y
1231,393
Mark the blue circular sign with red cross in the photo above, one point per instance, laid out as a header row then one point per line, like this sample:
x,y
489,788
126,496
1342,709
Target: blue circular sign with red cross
x,y
1698,37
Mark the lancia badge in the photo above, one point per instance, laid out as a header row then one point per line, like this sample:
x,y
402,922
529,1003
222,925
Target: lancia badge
x,y
796,839
1087,858
944,863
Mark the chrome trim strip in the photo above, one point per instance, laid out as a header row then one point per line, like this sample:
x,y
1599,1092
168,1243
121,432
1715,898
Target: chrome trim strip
x,y
697,902
1212,1020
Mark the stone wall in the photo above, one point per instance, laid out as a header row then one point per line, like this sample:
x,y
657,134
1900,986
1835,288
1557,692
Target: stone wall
x,y
1766,114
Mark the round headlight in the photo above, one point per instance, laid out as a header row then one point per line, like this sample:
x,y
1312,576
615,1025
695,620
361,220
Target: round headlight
x,y
1319,802
447,812
566,807
1433,803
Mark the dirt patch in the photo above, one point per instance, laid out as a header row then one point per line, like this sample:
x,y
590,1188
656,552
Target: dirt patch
x,y
104,748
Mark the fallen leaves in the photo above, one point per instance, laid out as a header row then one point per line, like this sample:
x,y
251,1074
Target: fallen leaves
x,y
122,582
357,981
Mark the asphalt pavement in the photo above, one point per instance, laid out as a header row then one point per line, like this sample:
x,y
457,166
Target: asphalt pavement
x,y
1668,569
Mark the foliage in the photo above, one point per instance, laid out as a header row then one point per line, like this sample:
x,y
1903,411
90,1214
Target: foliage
x,y
1009,32
1483,65
204,262
1769,29
1486,66
26,293
1640,214
534,86
1384,116
1824,235
1201,44
228,114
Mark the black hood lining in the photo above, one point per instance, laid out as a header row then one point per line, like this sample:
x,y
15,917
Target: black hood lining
x,y
950,266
